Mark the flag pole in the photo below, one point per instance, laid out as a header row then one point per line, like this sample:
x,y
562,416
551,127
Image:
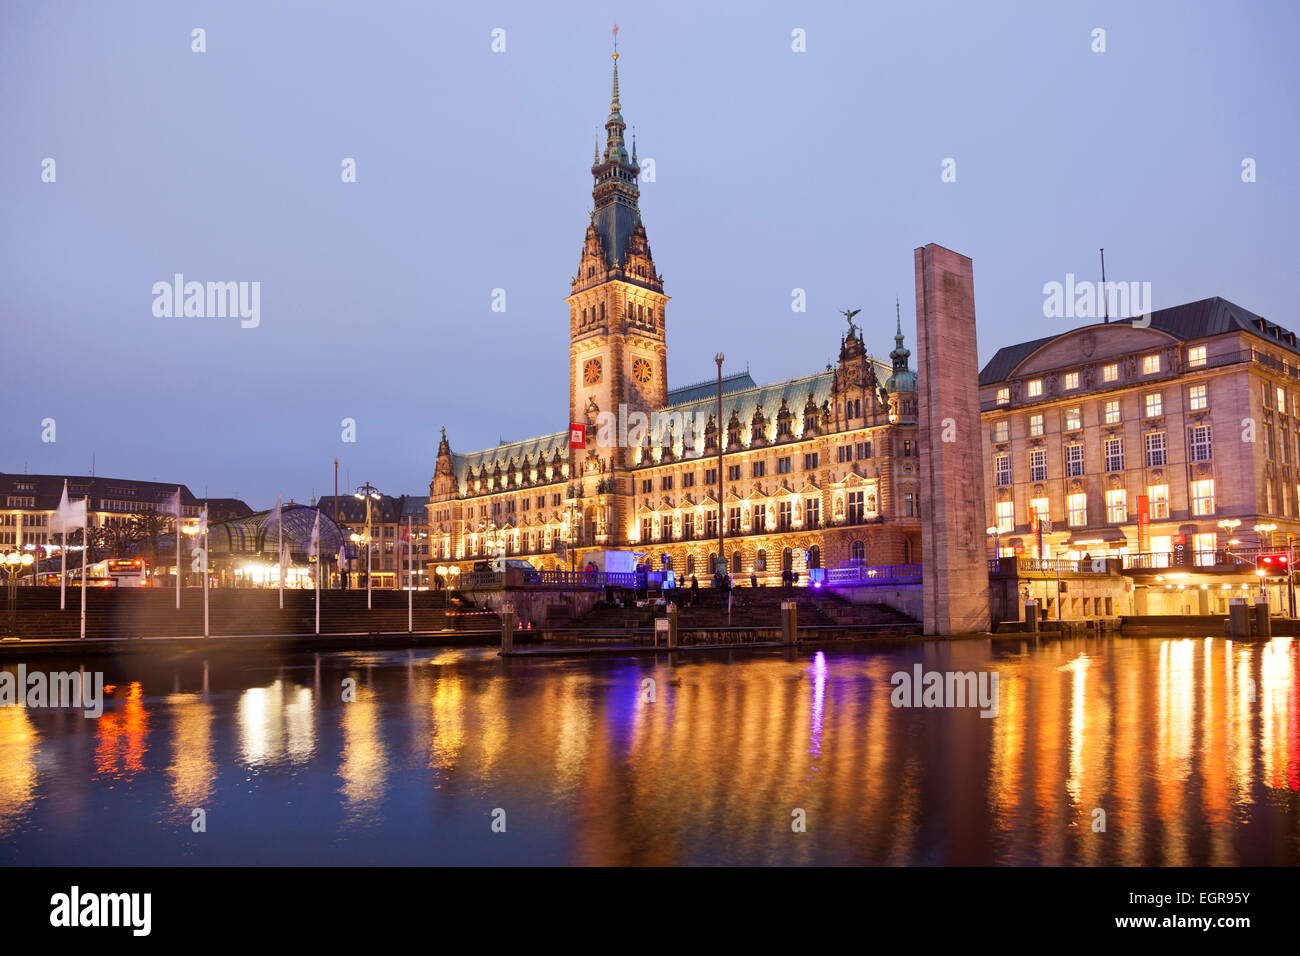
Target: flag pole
x,y
205,571
177,531
319,564
279,521
63,556
410,591
85,525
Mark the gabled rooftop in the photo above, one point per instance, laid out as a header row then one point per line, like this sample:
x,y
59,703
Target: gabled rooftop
x,y
1193,320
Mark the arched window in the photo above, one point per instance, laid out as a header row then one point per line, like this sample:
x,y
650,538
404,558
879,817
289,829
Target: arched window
x,y
713,562
735,562
787,560
814,557
859,552
760,560
690,564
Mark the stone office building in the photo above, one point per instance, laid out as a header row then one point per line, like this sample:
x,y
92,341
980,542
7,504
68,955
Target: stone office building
x,y
817,471
1174,447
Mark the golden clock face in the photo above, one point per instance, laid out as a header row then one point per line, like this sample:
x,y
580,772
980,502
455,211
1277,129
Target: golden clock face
x,y
591,371
641,371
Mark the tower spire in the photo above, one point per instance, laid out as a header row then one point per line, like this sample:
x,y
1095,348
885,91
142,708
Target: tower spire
x,y
614,126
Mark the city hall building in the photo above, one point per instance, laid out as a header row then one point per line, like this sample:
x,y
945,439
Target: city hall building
x,y
819,470
1173,446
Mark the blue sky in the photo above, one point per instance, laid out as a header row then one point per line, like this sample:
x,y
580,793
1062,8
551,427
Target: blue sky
x,y
775,170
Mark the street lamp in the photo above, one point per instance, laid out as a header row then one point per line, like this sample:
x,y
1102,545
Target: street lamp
x,y
367,493
1290,572
993,530
721,569
1265,529
13,565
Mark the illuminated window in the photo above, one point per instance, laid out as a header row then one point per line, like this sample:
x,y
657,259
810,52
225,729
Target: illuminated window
x,y
1158,501
1203,497
1071,380
1198,397
1004,396
1150,364
1036,426
1196,356
1073,419
1000,430
1038,506
1154,405
1116,506
1110,373
1035,388
1204,546
1006,516
1112,412
1077,505
1281,400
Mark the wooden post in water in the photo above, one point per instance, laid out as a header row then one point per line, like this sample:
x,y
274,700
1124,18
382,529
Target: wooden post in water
x,y
672,624
789,621
507,630
1238,619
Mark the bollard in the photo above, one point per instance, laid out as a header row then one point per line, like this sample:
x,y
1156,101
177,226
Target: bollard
x,y
1263,624
1031,615
789,621
672,624
1238,619
507,630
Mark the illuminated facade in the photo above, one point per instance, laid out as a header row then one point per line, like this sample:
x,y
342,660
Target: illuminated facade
x,y
1142,441
816,471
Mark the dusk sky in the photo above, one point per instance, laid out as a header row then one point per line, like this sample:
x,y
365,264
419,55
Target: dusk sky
x,y
774,170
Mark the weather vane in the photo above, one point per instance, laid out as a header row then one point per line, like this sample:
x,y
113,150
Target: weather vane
x,y
616,41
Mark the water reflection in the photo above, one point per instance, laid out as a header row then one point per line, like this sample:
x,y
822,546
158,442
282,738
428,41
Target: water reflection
x,y
1104,751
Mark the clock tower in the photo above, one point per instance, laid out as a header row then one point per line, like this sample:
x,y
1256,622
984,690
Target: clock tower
x,y
617,337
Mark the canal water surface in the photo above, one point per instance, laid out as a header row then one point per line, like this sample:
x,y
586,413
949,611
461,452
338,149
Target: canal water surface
x,y
1103,751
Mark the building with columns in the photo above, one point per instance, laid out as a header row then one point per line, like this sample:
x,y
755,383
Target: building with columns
x,y
1173,446
818,470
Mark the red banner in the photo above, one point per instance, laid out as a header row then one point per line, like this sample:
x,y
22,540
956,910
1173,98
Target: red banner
x,y
1144,523
577,435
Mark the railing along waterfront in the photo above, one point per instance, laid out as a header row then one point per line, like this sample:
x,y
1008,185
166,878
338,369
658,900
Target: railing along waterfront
x,y
884,575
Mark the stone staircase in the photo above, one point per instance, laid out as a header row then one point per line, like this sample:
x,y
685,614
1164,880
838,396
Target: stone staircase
x,y
751,608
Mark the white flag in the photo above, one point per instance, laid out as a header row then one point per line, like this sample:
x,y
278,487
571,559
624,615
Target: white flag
x,y
274,518
59,520
69,516
203,521
172,506
284,559
314,548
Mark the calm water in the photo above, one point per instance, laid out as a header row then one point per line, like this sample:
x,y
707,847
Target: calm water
x,y
1190,746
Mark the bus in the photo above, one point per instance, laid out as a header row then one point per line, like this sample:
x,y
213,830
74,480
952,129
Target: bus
x,y
111,573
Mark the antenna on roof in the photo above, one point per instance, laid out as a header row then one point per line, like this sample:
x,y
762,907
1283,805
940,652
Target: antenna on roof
x,y
1105,299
